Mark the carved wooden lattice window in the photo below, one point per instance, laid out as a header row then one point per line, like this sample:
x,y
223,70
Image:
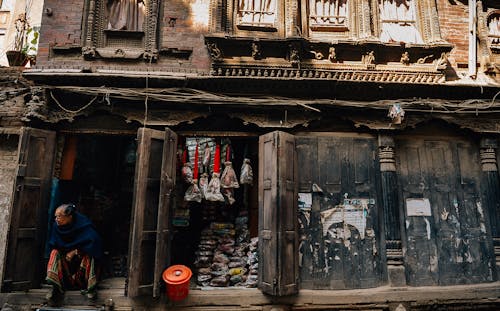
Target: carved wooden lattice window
x,y
398,19
328,14
121,29
494,30
256,13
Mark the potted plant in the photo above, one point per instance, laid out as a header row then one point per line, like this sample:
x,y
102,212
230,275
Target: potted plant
x,y
24,43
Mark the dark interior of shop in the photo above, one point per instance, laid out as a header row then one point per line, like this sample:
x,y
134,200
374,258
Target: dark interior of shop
x,y
101,186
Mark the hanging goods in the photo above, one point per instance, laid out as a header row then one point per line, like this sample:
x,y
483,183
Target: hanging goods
x,y
203,185
186,171
229,180
228,177
213,192
193,193
246,177
206,158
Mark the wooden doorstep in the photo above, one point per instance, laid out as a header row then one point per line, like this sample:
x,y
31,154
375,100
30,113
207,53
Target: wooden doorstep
x,y
252,299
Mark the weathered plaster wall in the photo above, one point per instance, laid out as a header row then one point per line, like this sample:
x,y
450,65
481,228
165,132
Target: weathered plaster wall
x,y
8,160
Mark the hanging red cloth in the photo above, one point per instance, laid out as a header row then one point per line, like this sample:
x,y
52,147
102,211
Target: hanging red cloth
x,y
195,170
217,158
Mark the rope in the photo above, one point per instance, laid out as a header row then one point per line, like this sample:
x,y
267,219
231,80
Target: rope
x,y
72,111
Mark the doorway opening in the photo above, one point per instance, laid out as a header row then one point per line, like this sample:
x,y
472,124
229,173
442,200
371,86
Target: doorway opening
x,y
216,228
96,173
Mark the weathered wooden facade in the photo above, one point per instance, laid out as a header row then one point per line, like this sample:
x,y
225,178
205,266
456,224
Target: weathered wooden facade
x,y
372,126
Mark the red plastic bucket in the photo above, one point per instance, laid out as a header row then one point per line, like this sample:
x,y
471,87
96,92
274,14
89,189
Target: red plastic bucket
x,y
177,278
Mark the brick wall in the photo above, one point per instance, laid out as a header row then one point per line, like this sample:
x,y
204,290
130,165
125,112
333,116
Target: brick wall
x,y
63,27
191,23
8,161
454,22
11,108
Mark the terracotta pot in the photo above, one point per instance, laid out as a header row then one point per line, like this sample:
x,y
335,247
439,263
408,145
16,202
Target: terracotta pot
x,y
16,58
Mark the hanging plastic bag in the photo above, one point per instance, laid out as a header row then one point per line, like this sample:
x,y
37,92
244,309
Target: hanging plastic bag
x,y
193,193
187,173
228,178
213,191
206,158
246,177
204,185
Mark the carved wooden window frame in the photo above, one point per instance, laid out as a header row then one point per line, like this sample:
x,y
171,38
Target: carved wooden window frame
x,y
427,22
256,10
223,18
264,30
320,31
494,47
96,36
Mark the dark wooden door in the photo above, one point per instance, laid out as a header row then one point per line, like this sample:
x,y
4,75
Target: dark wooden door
x,y
149,235
337,251
449,245
421,250
278,223
24,268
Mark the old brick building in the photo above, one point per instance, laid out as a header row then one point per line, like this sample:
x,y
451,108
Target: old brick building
x,y
371,125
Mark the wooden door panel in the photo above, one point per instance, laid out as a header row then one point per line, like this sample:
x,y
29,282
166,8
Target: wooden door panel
x,y
415,183
154,180
307,149
287,174
167,186
342,255
451,175
278,222
29,210
268,187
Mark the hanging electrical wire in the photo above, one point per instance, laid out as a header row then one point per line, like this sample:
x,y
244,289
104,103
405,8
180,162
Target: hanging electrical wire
x,y
198,97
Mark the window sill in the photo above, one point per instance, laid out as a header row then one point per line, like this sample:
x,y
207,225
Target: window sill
x,y
325,28
258,27
124,33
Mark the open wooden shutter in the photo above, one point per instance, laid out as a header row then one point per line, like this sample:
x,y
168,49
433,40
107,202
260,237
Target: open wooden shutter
x,y
149,236
29,210
278,222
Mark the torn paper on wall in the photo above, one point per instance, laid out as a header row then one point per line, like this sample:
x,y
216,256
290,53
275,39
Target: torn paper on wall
x,y
353,212
418,207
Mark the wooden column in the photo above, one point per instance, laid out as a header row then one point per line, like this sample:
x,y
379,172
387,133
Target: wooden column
x,y
392,220
491,190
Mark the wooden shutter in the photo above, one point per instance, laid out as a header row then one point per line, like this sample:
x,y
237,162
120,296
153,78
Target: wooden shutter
x,y
29,210
149,236
278,222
